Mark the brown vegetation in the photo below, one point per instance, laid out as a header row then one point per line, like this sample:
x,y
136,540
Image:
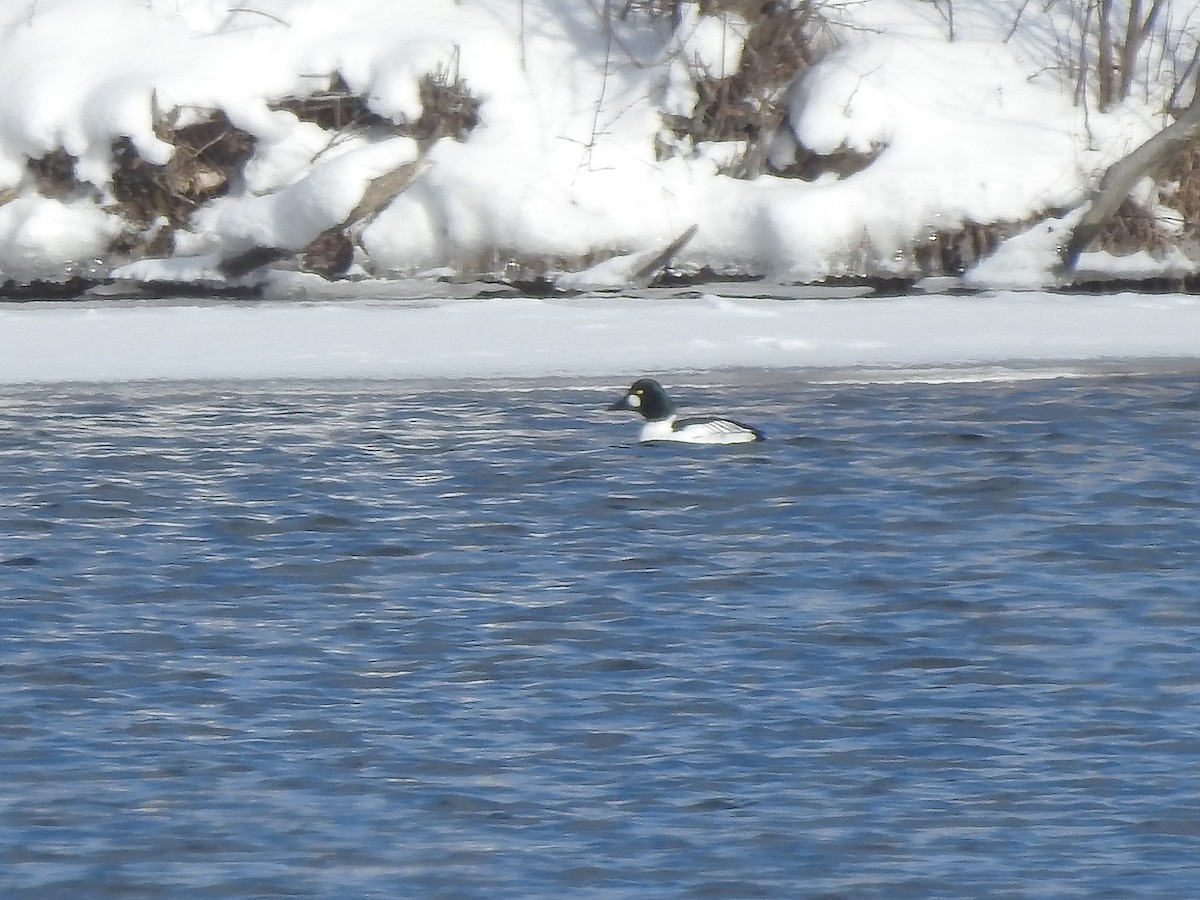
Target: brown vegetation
x,y
1112,192
954,252
210,154
207,155
448,109
751,104
1179,189
155,200
334,108
54,174
748,106
1133,227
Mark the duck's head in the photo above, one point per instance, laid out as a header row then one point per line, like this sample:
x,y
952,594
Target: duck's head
x,y
647,397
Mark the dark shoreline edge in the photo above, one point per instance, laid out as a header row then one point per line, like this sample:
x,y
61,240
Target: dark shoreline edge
x,y
82,289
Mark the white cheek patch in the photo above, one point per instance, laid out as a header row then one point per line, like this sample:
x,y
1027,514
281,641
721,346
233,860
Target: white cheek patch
x,y
634,401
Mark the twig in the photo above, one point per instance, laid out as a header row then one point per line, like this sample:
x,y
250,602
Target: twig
x,y
1016,21
591,144
259,12
521,32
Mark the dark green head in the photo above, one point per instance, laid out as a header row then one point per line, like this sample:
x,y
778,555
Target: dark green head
x,y
647,397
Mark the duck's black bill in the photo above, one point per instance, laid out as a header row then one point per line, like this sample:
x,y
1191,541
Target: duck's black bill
x,y
623,403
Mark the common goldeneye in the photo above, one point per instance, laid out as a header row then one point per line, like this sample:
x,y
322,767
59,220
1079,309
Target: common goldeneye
x,y
647,397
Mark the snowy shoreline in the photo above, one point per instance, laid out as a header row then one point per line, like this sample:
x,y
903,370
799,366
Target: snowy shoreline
x,y
198,140
981,336
233,155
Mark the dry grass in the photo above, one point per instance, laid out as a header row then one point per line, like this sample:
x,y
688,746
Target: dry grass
x,y
207,155
751,104
448,108
210,154
1179,188
54,174
672,10
157,200
1132,228
335,108
954,252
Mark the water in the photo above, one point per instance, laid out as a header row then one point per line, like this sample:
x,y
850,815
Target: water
x,y
378,640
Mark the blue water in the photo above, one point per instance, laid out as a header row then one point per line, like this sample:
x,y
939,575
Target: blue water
x,y
380,640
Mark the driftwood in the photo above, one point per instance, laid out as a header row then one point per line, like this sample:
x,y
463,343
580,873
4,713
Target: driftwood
x,y
637,269
242,264
379,192
662,260
1122,175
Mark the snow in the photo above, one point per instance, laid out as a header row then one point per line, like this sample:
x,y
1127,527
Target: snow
x,y
35,231
963,112
1005,334
292,216
896,94
713,43
968,106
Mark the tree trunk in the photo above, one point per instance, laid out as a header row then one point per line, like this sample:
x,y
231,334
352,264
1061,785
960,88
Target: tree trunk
x,y
1137,30
1122,175
1104,59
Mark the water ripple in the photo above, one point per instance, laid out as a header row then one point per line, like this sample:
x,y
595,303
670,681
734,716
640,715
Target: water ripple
x,y
468,640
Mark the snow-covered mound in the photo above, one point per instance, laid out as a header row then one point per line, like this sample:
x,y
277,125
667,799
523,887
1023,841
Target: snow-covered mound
x,y
171,138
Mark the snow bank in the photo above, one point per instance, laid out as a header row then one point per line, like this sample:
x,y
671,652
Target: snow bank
x,y
565,165
440,337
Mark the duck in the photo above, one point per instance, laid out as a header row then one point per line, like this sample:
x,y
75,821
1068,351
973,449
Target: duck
x,y
647,397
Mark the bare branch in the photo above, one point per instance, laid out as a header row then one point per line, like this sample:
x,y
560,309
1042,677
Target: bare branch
x,y
259,12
